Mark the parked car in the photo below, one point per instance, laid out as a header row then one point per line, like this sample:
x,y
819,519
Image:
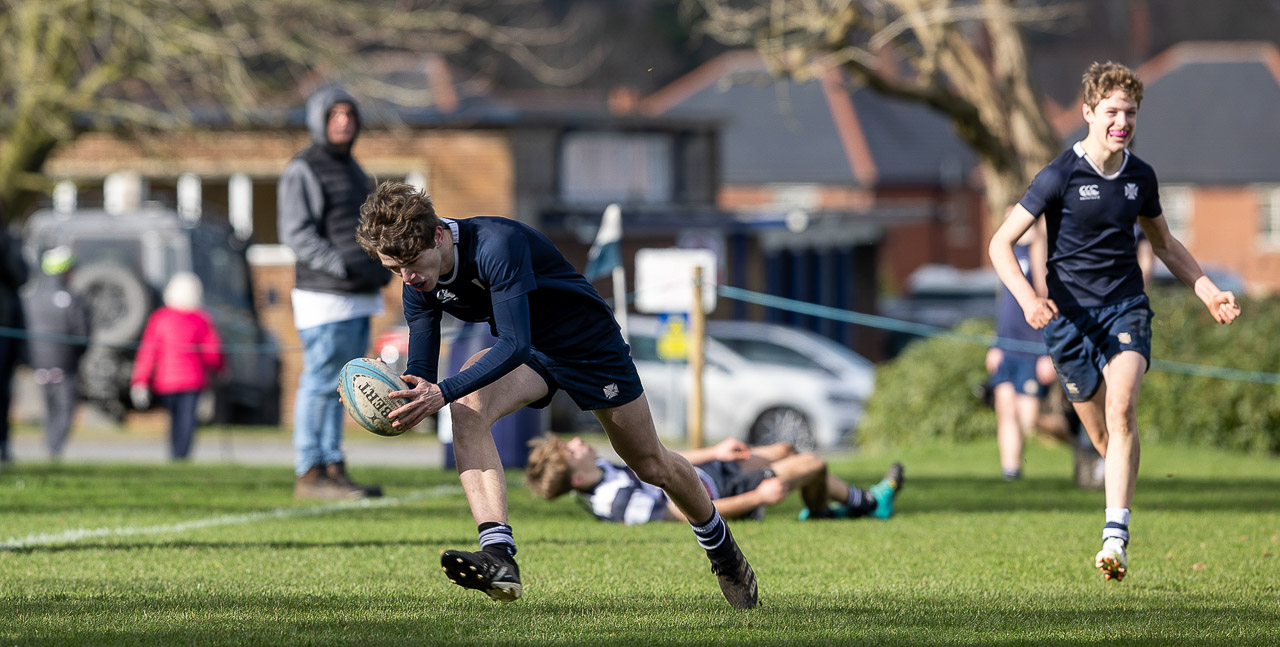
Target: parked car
x,y
123,264
763,383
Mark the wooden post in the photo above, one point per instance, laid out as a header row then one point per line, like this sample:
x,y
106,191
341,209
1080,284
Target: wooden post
x,y
697,333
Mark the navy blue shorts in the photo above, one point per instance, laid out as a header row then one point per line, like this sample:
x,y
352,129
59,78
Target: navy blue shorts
x,y
1082,340
609,379
1019,369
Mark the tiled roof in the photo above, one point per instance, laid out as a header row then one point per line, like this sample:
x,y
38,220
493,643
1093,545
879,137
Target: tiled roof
x,y
783,131
1210,114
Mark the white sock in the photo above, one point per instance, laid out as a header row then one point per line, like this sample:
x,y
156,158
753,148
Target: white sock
x,y
1117,525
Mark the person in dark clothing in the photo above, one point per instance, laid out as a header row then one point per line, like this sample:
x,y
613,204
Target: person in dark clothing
x,y
59,320
1020,377
337,288
13,273
1096,316
554,333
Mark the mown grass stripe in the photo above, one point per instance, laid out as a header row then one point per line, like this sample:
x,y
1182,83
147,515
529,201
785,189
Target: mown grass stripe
x,y
81,534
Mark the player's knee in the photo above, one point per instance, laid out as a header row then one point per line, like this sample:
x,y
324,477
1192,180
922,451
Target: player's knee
x,y
465,414
1121,414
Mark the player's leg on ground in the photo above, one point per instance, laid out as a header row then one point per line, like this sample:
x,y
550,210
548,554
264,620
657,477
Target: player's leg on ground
x,y
1123,377
473,415
808,473
492,570
632,434
1008,430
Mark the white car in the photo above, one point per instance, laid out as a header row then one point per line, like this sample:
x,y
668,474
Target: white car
x,y
762,383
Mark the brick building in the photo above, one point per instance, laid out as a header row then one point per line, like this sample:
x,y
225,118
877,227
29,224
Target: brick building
x,y
555,170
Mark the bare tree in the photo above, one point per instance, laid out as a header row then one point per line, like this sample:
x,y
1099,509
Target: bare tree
x,y
67,66
965,59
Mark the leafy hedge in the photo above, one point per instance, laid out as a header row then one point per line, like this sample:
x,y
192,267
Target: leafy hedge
x,y
926,393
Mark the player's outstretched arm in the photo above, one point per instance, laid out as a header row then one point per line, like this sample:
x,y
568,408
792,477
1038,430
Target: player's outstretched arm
x,y
1038,310
728,450
1221,304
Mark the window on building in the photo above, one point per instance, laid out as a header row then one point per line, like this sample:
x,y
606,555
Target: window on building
x,y
1178,202
617,167
1269,228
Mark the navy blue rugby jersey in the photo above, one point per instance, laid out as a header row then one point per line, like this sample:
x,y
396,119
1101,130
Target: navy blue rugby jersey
x,y
497,259
1093,258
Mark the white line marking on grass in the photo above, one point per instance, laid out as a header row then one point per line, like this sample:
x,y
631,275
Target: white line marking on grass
x,y
81,534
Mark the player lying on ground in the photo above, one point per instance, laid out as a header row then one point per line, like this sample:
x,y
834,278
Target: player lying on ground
x,y
740,480
554,332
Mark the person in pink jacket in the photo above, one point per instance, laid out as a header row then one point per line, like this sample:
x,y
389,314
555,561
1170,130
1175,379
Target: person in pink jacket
x,y
180,351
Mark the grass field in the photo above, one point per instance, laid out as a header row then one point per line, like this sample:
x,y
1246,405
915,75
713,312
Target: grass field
x,y
94,554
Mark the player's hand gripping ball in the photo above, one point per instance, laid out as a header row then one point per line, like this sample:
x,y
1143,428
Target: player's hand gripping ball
x,y
364,384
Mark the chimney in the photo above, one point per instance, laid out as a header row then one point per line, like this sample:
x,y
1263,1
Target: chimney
x,y
240,205
189,197
122,192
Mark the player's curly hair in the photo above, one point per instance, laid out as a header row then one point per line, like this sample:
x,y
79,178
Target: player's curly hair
x,y
1101,79
548,471
397,220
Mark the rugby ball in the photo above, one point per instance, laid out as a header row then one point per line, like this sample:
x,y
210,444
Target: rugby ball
x,y
364,384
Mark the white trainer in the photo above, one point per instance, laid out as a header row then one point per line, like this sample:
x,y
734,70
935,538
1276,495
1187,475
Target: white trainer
x,y
1111,560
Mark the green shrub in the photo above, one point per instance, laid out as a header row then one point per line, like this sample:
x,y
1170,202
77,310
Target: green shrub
x,y
1204,411
926,393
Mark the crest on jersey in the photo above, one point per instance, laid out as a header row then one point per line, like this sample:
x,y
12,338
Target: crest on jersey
x,y
445,296
1131,191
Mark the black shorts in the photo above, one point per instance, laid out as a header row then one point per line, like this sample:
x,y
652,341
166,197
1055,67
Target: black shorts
x,y
1082,341
608,380
729,479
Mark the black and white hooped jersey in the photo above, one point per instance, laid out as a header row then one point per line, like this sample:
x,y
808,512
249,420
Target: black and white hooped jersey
x,y
621,497
1090,219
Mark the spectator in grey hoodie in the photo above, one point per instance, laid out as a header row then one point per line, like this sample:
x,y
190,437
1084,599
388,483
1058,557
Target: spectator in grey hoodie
x,y
337,288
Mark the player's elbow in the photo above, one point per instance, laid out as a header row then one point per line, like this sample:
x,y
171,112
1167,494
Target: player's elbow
x,y
993,249
521,353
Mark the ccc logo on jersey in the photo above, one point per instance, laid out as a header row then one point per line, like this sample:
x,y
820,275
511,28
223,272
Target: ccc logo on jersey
x,y
1089,192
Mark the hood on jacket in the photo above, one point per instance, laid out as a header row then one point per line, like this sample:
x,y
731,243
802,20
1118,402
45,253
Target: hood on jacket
x,y
318,107
184,292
